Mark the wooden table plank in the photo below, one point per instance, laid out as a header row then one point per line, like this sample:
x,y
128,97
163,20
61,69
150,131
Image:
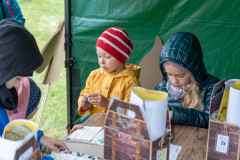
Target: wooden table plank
x,y
193,141
96,120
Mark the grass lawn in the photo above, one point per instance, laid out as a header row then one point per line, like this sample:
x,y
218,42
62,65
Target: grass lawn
x,y
42,19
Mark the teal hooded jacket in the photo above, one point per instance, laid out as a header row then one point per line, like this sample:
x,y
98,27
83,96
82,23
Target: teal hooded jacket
x,y
16,11
184,49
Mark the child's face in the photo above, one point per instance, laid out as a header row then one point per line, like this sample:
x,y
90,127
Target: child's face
x,y
108,62
14,82
178,78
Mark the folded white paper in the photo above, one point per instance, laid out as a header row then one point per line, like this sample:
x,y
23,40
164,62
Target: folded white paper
x,y
153,105
233,109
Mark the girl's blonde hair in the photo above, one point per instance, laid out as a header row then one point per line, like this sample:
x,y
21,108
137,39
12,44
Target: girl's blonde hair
x,y
191,96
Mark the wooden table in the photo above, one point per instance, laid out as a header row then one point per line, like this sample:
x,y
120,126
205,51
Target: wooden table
x,y
192,139
96,120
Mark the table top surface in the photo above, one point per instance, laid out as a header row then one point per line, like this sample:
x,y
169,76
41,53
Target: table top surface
x,y
192,139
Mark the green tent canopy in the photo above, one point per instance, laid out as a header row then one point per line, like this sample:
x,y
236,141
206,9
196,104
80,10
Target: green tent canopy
x,y
216,23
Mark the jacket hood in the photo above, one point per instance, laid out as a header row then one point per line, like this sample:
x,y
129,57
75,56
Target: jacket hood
x,y
19,53
184,49
130,70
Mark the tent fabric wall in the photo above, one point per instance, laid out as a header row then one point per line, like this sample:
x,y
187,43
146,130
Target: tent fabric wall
x,y
216,23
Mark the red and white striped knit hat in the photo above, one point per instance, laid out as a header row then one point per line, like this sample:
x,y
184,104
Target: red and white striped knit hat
x,y
116,42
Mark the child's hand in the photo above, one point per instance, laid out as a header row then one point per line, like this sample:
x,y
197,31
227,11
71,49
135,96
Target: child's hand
x,y
98,99
79,126
84,104
53,143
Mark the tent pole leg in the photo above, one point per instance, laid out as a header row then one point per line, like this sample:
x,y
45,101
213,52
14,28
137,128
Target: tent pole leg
x,y
39,117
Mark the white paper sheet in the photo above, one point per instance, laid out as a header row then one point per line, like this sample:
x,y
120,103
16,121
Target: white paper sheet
x,y
233,109
62,156
156,112
153,108
84,134
99,138
71,155
174,151
134,99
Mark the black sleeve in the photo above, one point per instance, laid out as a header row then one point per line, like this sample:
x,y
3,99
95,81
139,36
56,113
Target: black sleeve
x,y
189,117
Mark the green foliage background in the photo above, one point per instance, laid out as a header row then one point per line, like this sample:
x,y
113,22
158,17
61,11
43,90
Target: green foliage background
x,y
42,19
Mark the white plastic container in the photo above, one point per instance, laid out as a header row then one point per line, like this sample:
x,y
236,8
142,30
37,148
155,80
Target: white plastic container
x,y
8,148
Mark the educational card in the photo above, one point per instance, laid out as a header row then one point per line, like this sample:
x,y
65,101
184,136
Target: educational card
x,y
174,151
87,133
162,154
222,144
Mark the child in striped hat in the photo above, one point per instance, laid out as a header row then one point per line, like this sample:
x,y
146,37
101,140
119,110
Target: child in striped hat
x,y
114,77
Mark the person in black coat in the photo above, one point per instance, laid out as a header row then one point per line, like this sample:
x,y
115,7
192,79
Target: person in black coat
x,y
186,80
19,57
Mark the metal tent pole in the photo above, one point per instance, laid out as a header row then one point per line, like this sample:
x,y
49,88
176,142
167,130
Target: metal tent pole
x,y
68,61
